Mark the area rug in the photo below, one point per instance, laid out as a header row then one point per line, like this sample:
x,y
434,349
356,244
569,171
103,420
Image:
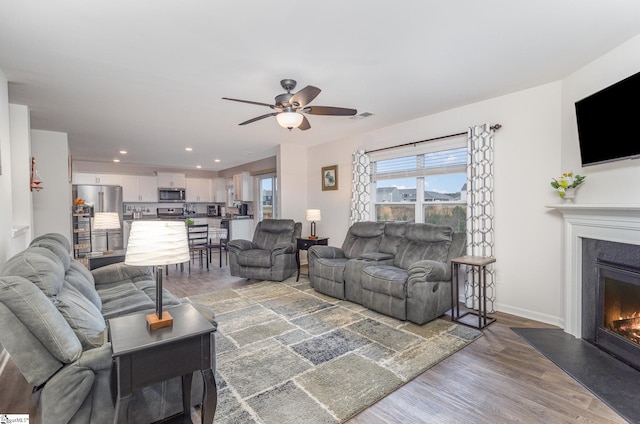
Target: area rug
x,y
288,354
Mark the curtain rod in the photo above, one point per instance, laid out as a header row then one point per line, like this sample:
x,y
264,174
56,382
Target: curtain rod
x,y
494,127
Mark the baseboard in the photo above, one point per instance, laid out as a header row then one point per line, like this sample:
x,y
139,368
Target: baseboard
x,y
529,314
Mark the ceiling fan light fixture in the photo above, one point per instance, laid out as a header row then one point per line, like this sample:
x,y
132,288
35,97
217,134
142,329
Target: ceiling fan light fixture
x,y
289,119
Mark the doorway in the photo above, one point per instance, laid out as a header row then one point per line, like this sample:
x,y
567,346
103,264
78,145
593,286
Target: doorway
x,y
268,197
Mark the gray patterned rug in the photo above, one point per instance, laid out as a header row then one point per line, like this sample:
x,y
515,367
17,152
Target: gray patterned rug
x,y
288,354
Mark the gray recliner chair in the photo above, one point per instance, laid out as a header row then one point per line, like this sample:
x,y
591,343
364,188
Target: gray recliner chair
x,y
271,255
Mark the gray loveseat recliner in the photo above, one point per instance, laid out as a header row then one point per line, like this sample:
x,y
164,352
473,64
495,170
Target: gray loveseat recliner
x,y
272,253
398,269
53,314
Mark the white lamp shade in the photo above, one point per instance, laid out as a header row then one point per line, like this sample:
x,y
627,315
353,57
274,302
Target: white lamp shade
x,y
106,221
154,243
313,215
289,119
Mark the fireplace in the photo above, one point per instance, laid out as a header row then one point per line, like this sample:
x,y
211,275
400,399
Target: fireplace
x,y
617,327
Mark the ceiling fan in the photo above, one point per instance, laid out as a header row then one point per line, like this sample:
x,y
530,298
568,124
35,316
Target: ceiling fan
x,y
288,107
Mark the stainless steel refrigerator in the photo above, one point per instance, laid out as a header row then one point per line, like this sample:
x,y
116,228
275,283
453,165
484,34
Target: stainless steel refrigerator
x,y
104,198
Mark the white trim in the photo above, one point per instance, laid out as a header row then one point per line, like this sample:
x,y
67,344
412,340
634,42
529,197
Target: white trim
x,y
611,222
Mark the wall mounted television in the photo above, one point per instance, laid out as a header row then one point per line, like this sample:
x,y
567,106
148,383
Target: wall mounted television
x,y
608,123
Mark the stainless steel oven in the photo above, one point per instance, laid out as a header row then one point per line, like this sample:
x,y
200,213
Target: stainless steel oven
x,y
177,195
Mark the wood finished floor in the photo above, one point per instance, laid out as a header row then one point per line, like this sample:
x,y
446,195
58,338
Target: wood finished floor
x,y
499,378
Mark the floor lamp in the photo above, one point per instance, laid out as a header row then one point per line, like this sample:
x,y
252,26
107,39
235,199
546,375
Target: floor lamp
x,y
106,221
158,244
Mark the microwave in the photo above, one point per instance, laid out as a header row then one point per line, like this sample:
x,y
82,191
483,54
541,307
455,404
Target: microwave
x,y
178,195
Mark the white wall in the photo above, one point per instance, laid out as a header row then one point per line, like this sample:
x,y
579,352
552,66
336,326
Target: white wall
x,y
6,211
528,268
292,182
614,182
52,205
20,175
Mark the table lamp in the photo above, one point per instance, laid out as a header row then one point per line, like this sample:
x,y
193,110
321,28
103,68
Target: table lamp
x,y
157,243
106,221
313,215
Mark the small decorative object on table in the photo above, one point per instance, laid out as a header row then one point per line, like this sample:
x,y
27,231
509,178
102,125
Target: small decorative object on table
x,y
567,184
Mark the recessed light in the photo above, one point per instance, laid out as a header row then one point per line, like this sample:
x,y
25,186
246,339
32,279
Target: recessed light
x,y
188,149
116,160
123,152
198,166
216,160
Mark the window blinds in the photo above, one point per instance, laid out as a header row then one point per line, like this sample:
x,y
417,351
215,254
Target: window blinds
x,y
434,163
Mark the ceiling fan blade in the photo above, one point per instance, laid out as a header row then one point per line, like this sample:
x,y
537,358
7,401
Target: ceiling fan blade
x,y
329,110
304,96
249,101
305,125
257,118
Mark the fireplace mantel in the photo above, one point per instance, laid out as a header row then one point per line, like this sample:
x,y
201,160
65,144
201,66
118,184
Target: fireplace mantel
x,y
612,222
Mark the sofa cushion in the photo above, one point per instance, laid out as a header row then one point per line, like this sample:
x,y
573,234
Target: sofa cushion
x,y
56,247
122,299
330,268
40,266
423,241
385,279
255,257
394,232
84,318
273,231
362,237
82,279
56,237
43,267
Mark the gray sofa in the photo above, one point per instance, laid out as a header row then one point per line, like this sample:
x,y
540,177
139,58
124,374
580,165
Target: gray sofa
x,y
271,255
53,315
398,269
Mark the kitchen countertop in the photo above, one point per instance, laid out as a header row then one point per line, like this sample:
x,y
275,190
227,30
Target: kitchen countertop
x,y
150,217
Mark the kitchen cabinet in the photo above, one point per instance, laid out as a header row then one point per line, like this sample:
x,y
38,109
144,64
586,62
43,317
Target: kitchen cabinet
x,y
171,180
90,178
198,190
137,188
243,187
218,190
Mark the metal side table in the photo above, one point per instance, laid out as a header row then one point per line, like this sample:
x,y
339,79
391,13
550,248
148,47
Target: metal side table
x,y
480,263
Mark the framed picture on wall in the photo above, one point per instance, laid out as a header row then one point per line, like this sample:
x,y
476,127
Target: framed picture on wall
x,y
330,177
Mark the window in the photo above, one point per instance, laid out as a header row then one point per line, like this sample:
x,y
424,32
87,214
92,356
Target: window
x,y
268,197
426,187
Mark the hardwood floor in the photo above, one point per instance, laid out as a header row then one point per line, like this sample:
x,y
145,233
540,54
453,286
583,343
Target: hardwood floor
x,y
499,378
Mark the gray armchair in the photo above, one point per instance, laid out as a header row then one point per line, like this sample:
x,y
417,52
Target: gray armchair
x,y
271,255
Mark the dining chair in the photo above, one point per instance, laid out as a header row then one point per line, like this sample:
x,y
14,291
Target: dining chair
x,y
198,236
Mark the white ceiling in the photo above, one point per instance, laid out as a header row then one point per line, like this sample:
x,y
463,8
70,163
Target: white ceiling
x,y
148,76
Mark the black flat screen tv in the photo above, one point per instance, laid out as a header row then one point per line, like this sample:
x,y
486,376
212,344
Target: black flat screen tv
x,y
608,121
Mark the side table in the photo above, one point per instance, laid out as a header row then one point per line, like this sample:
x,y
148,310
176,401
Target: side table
x,y
305,243
480,263
97,260
142,357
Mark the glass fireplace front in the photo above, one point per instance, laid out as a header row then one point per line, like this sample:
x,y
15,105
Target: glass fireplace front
x,y
618,315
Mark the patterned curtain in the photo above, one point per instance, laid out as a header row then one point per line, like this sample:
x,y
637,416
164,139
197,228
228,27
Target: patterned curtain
x,y
480,210
360,183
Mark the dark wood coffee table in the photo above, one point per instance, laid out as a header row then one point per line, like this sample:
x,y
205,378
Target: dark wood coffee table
x,y
142,357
